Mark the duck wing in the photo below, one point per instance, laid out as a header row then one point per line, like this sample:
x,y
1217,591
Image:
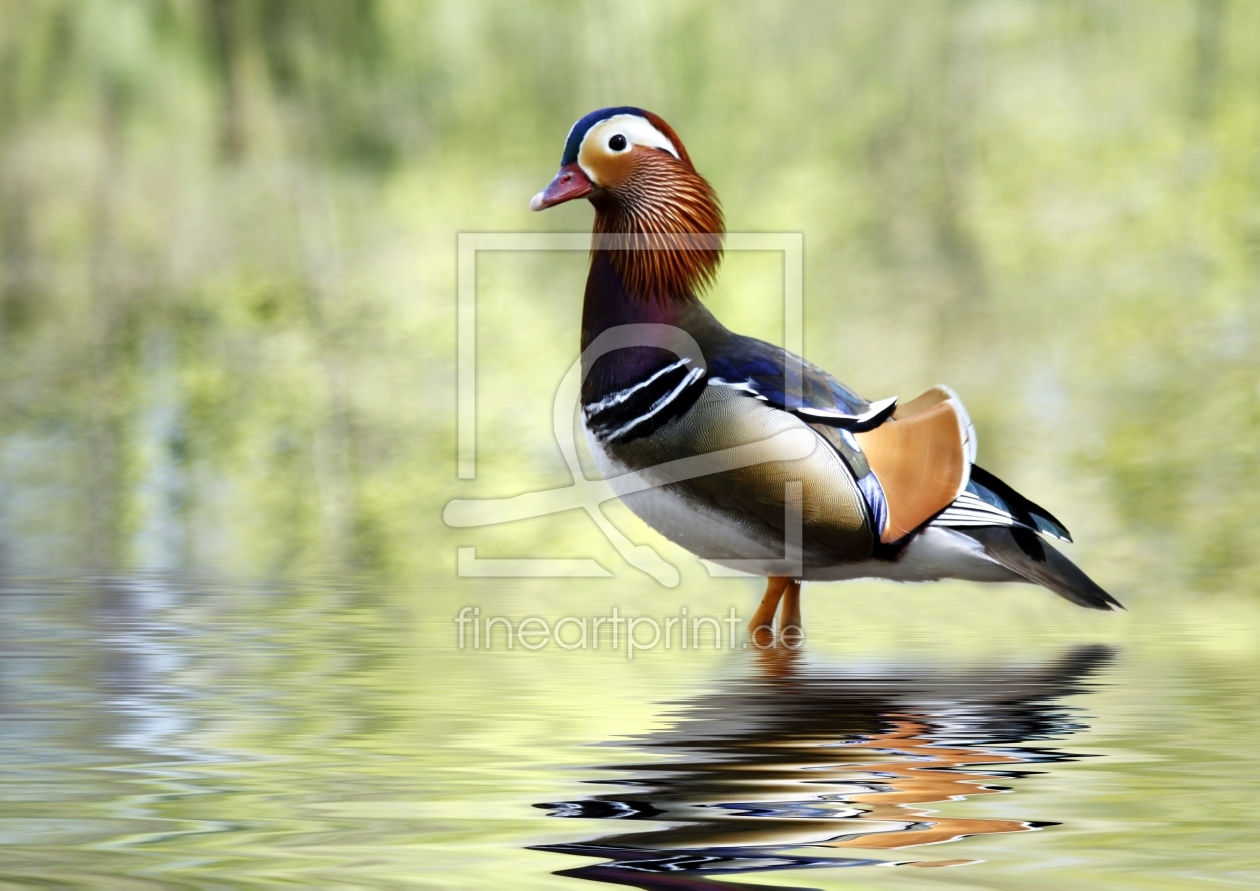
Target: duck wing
x,y
789,383
987,501
910,461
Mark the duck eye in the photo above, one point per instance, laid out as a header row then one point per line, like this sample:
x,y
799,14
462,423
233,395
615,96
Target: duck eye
x,y
617,143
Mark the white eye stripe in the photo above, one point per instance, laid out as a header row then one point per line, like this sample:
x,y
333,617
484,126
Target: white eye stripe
x,y
636,130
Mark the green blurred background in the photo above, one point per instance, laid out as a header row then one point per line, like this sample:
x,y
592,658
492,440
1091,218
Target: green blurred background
x,y
228,259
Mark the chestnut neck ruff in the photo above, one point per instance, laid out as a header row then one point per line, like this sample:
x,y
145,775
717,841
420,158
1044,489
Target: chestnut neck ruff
x,y
662,227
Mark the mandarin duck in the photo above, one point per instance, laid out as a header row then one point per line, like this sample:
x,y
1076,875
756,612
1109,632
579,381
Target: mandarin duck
x,y
883,490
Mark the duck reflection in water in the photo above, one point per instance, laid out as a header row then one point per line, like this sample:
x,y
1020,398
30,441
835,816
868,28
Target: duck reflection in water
x,y
770,771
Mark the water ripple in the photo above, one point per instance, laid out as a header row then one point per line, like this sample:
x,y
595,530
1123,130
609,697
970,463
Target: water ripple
x,y
773,770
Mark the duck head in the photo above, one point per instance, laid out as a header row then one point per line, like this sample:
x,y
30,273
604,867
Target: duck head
x,y
659,219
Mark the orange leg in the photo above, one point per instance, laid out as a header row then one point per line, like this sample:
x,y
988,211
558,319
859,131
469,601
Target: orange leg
x,y
763,619
790,614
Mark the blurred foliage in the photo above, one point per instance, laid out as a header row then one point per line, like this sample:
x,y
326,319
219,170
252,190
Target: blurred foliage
x,y
227,257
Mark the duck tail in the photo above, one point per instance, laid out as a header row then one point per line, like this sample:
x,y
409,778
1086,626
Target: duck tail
x,y
1023,552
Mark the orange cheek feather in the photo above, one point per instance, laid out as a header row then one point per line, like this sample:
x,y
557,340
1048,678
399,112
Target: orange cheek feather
x,y
609,172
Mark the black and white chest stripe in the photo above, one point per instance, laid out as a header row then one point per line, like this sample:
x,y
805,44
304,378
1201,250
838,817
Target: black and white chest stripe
x,y
646,406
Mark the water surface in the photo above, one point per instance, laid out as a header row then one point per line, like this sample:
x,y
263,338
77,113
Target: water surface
x,y
165,731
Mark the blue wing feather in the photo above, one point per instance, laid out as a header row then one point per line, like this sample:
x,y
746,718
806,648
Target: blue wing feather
x,y
758,368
